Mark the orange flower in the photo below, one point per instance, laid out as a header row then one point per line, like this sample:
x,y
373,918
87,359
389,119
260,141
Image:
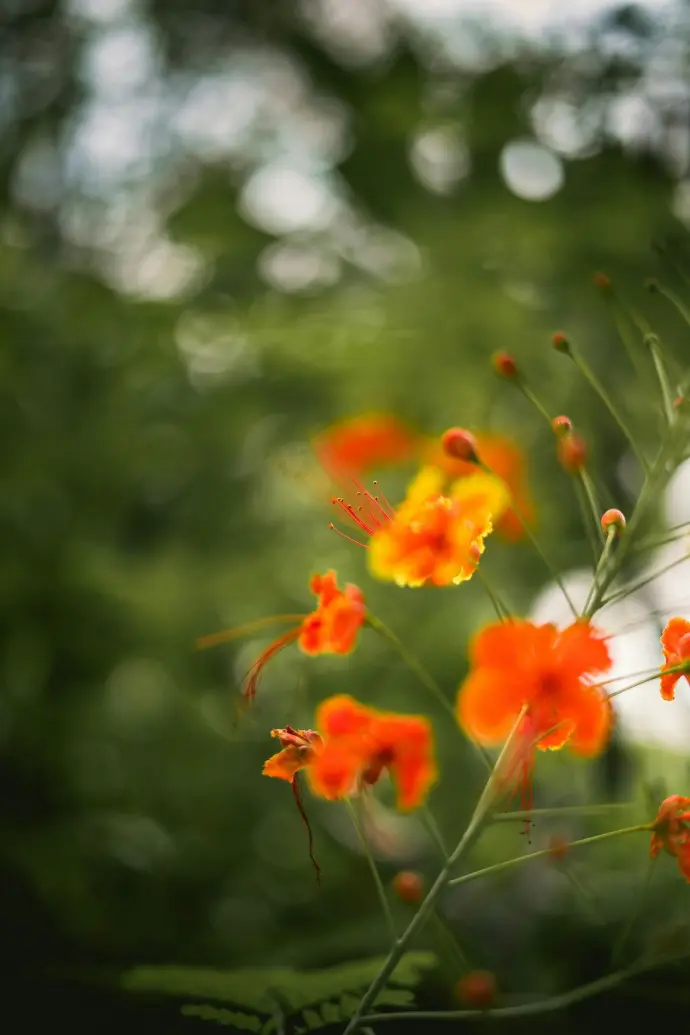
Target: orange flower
x,y
353,446
675,643
517,665
298,750
507,462
360,742
430,537
672,832
331,628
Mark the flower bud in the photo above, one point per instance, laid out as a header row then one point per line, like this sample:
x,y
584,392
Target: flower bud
x,y
572,452
460,444
560,342
561,426
602,282
477,989
504,365
613,519
408,886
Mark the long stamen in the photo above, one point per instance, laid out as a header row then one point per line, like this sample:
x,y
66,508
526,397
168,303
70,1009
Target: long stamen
x,y
297,794
352,513
227,635
334,528
254,674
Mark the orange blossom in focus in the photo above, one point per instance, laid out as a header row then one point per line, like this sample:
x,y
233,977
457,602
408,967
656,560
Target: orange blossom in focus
x,y
431,537
675,643
672,831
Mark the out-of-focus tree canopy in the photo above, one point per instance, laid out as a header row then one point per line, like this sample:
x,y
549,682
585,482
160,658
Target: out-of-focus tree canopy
x,y
222,227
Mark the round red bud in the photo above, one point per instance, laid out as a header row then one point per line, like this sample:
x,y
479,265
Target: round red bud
x,y
460,444
562,425
613,519
560,342
408,886
602,282
572,452
679,401
477,989
504,365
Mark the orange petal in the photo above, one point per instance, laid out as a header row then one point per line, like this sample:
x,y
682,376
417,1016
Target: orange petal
x,y
668,685
592,713
408,741
675,630
582,650
334,771
287,762
488,704
343,716
516,644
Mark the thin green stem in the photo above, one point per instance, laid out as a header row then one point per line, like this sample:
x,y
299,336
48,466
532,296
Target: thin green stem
x,y
528,531
548,1005
424,677
474,829
662,671
654,346
450,938
433,828
586,514
601,567
543,852
584,893
674,299
561,810
502,612
627,591
597,386
529,394
385,905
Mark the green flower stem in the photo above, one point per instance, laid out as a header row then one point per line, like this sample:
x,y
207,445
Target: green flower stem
x,y
654,345
602,564
584,893
528,531
447,935
626,591
433,828
543,852
548,1005
502,612
683,667
381,891
424,677
529,395
562,810
597,387
622,320
653,484
474,829
586,513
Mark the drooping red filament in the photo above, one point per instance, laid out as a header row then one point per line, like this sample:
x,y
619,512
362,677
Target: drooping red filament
x,y
297,794
254,674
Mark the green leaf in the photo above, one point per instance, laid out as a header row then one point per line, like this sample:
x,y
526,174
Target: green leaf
x,y
259,989
228,1018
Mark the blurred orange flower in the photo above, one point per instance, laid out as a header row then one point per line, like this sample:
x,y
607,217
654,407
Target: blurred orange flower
x,y
518,667
675,643
672,831
507,461
298,749
360,742
331,628
431,537
351,447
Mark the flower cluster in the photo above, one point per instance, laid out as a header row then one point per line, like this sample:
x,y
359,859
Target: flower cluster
x,y
527,687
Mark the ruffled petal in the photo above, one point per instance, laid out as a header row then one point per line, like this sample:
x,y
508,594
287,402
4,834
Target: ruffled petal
x,y
287,762
488,704
343,716
592,714
668,685
334,771
582,650
675,630
515,644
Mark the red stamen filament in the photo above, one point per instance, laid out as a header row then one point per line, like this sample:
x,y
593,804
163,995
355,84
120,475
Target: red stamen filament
x,y
297,794
252,677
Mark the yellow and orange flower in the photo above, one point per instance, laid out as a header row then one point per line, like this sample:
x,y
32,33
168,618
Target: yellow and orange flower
x,y
431,537
351,447
331,628
353,747
672,832
675,643
544,674
507,461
